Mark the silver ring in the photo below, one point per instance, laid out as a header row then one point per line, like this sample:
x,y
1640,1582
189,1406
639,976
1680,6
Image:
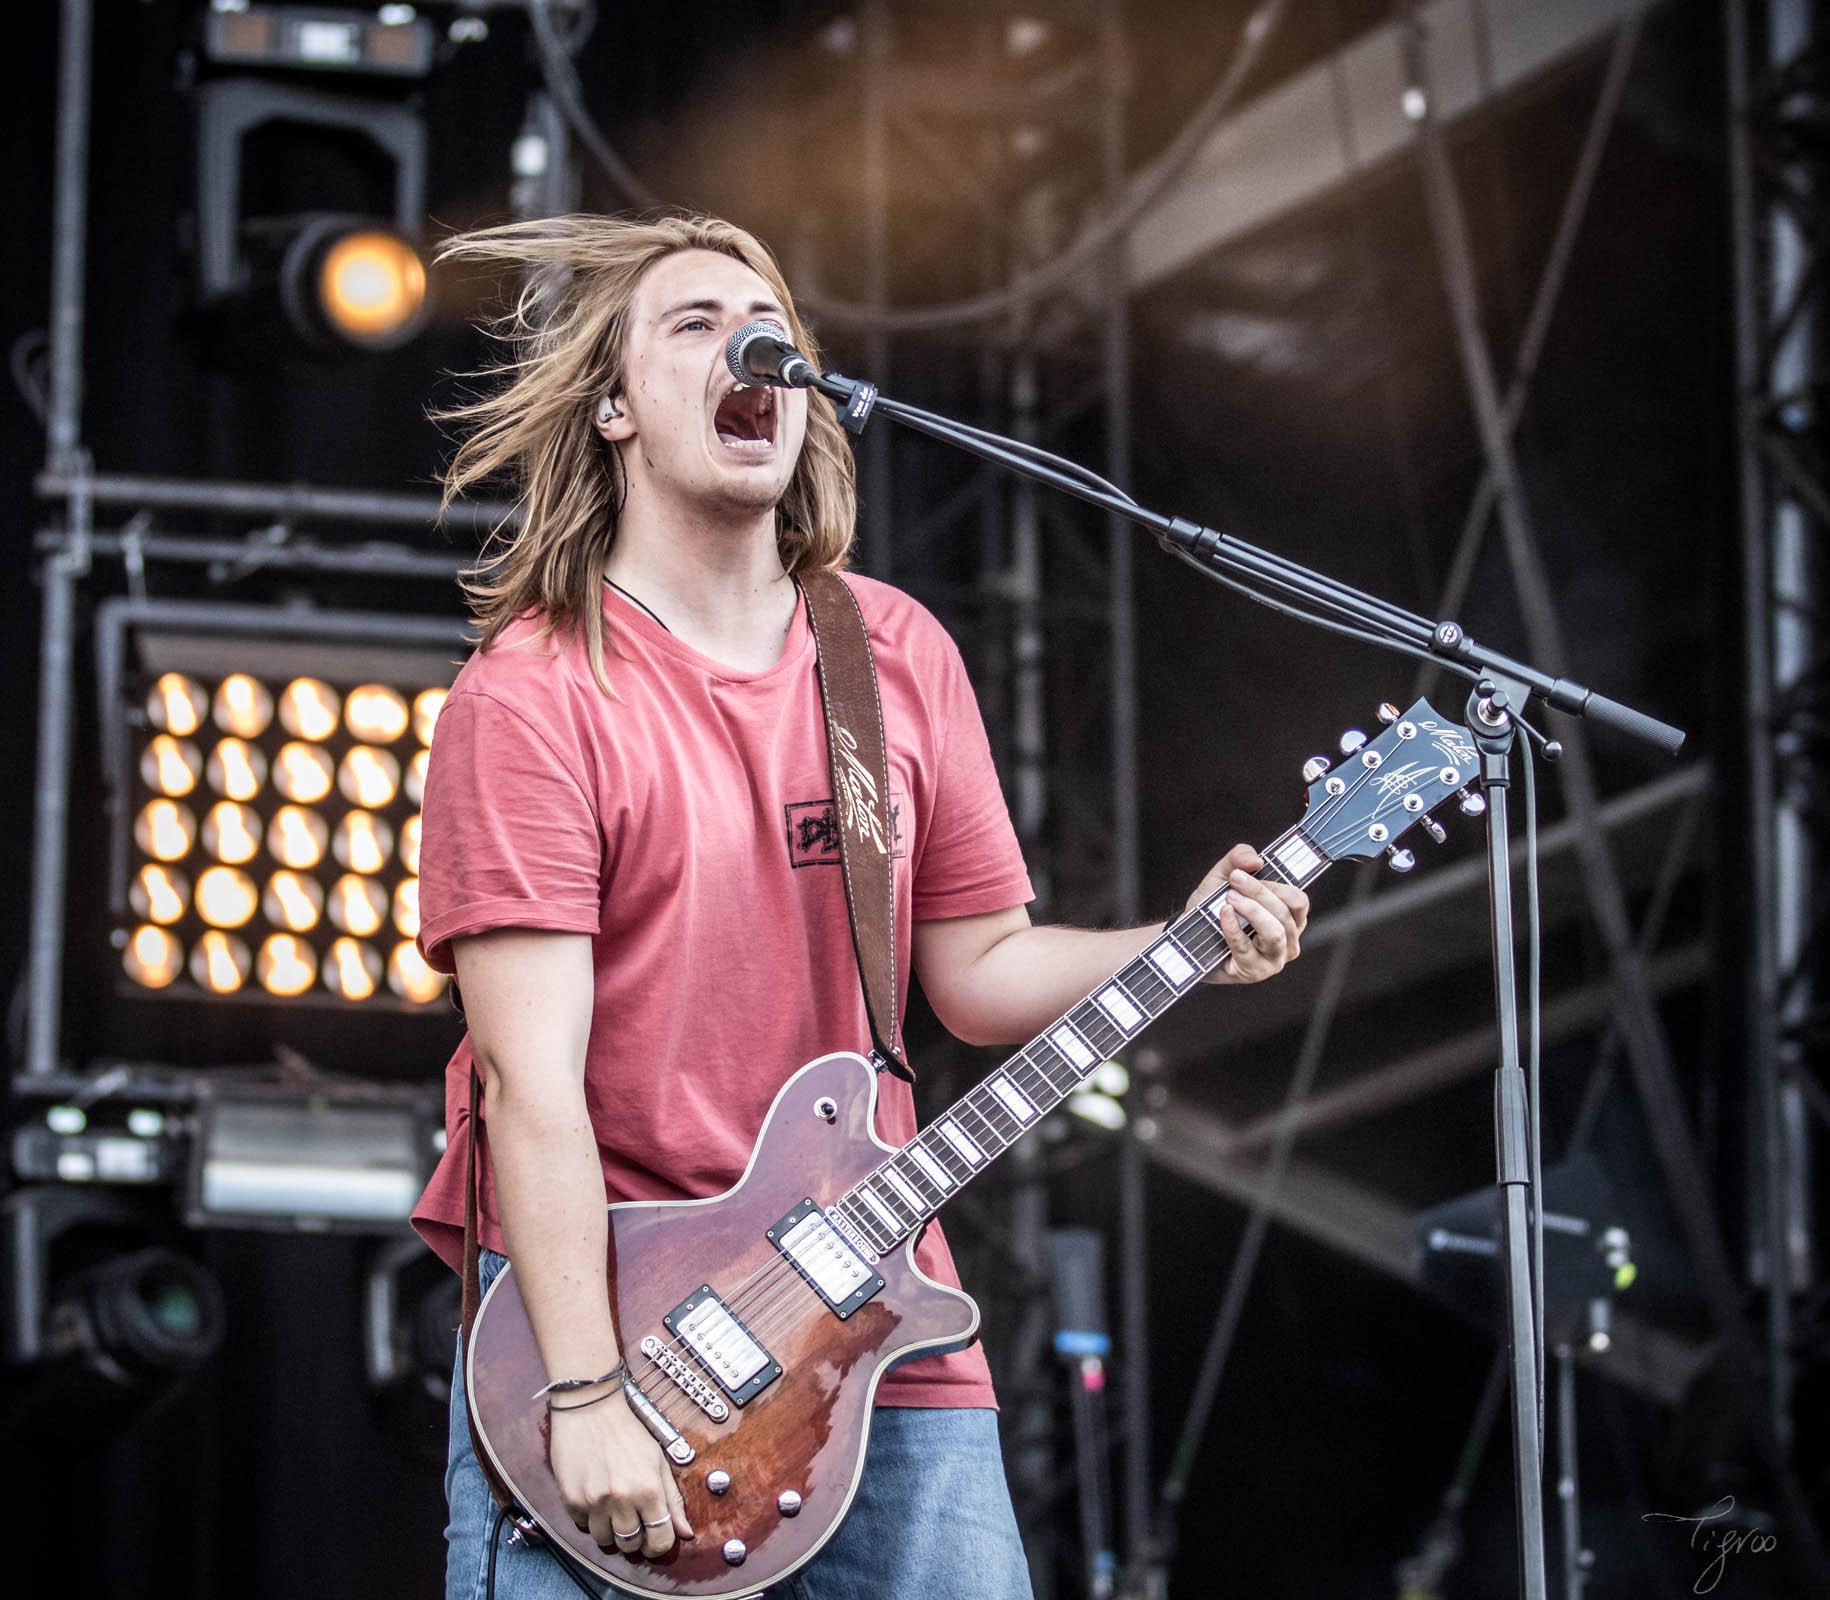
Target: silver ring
x,y
659,1522
633,1533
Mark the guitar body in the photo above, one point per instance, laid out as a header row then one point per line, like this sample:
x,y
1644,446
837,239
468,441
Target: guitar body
x,y
806,1430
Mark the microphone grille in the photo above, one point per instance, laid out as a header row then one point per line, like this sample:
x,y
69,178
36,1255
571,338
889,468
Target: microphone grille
x,y
745,336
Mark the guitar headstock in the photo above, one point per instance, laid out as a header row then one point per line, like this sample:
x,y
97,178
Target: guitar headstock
x,y
1384,786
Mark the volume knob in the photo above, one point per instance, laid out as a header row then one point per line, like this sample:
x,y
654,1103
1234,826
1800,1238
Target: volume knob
x,y
788,1502
735,1550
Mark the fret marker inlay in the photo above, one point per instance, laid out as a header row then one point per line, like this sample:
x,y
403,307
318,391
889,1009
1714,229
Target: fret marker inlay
x,y
1012,1096
1071,1045
1170,961
961,1141
903,1187
937,1174
1117,1005
1296,858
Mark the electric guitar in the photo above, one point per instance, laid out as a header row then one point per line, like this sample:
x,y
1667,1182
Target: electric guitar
x,y
756,1324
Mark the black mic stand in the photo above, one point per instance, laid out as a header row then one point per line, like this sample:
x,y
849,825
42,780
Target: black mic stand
x,y
1502,686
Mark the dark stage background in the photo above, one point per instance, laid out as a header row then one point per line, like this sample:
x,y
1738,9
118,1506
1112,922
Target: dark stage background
x,y
1299,386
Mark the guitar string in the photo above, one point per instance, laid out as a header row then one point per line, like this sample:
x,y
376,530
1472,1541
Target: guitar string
x,y
762,1316
1203,949
765,1320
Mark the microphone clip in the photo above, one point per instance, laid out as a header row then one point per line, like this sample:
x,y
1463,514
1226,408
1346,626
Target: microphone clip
x,y
853,399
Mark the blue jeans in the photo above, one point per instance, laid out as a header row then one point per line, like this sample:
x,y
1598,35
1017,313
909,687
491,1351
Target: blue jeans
x,y
931,1517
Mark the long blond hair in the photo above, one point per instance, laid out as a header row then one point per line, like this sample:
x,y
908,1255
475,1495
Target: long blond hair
x,y
566,333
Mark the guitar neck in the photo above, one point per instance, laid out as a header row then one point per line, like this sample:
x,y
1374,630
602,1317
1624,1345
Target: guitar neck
x,y
963,1141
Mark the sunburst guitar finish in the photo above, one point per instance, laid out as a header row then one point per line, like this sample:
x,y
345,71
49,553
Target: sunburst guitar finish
x,y
804,1433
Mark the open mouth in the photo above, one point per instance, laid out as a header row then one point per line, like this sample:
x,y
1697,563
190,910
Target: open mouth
x,y
745,419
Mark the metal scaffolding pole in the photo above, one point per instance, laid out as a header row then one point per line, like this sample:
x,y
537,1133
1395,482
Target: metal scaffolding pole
x,y
1775,56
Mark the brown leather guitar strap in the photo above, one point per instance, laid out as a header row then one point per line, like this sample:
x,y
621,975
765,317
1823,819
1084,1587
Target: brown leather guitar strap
x,y
859,758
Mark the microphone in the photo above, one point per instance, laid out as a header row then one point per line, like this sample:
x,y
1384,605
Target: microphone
x,y
759,352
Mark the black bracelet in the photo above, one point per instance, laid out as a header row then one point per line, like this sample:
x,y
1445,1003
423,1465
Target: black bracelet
x,y
564,1385
583,1405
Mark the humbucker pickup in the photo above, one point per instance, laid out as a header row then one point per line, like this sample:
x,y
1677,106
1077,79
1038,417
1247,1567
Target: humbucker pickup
x,y
722,1345
820,1254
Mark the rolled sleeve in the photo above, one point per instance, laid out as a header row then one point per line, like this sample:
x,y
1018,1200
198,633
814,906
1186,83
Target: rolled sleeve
x,y
511,838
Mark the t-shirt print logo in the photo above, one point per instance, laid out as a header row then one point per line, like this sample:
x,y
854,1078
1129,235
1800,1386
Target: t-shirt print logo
x,y
813,832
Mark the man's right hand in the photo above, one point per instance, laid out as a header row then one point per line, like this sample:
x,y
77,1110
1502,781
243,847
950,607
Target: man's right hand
x,y
614,1478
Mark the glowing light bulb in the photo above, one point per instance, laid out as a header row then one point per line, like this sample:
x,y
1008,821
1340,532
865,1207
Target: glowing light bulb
x,y
165,830
295,837
237,769
406,907
426,706
293,902
153,958
285,965
226,897
175,704
357,904
220,962
368,777
158,893
409,843
416,776
232,832
362,842
375,714
170,766
242,706
351,969
302,772
309,709
410,977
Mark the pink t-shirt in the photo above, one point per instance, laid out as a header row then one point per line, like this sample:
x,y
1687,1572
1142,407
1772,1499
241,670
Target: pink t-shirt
x,y
687,827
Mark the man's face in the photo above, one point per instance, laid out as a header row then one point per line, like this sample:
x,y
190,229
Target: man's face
x,y
688,430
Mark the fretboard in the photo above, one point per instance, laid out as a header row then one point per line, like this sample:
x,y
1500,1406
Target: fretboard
x,y
963,1141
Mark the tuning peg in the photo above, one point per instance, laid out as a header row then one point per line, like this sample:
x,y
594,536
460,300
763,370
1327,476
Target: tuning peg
x,y
1434,829
1399,860
1388,713
1472,804
1351,741
1314,767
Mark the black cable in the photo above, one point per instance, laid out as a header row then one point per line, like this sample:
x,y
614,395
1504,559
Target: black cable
x,y
1346,629
1342,599
495,1545
1147,187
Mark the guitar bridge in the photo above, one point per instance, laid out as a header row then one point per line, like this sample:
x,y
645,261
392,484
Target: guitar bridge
x,y
675,1366
722,1345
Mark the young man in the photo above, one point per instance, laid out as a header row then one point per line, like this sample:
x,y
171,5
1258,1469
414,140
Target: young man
x,y
645,943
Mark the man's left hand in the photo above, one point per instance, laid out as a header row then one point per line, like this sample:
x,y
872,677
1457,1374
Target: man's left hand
x,y
1274,913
